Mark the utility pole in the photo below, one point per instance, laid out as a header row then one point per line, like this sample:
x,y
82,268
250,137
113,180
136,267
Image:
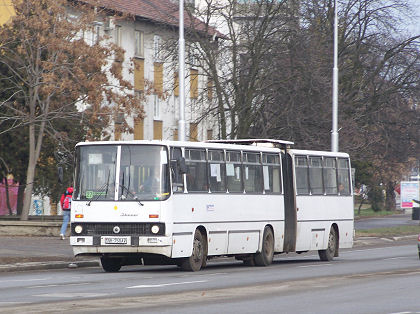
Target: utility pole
x,y
334,132
181,61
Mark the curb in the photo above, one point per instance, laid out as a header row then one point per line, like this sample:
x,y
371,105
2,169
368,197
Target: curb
x,y
47,265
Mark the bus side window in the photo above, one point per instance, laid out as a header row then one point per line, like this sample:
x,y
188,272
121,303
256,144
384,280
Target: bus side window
x,y
253,176
196,170
177,177
301,169
343,176
315,175
330,176
234,172
217,171
271,173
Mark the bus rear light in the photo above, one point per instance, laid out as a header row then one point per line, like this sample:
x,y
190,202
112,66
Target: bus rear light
x,y
153,216
79,215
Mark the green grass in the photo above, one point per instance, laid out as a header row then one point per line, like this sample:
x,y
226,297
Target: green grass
x,y
367,211
389,232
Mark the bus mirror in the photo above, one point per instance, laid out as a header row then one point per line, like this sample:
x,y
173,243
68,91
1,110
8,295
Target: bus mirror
x,y
181,165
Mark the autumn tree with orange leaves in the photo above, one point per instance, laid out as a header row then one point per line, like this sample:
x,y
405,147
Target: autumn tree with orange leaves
x,y
52,69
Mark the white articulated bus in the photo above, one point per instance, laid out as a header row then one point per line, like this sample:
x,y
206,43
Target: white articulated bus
x,y
168,202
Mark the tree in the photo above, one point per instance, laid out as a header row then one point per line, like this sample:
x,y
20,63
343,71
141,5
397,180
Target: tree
x,y
237,63
54,72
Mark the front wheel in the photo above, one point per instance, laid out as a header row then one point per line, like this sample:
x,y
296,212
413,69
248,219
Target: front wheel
x,y
110,265
198,257
330,252
265,257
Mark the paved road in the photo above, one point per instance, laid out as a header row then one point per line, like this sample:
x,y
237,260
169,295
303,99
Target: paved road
x,y
382,279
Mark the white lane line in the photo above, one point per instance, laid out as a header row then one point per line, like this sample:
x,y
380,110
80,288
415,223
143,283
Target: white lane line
x,y
166,284
24,280
58,285
399,257
317,265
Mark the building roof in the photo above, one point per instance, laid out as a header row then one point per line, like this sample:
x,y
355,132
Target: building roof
x,y
158,11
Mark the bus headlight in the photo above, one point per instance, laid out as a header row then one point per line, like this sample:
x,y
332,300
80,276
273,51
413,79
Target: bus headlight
x,y
155,229
78,229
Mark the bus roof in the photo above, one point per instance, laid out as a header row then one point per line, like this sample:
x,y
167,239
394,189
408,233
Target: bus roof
x,y
245,144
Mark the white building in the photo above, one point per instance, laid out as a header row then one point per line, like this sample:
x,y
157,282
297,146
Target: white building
x,y
149,36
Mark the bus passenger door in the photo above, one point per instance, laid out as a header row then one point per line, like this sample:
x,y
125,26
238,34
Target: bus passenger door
x,y
290,216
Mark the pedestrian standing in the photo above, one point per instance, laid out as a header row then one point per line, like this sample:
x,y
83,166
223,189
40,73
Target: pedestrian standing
x,y
65,202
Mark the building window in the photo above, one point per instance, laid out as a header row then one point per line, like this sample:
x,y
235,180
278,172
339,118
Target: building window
x,y
138,128
176,84
209,135
139,44
158,78
194,132
118,35
194,84
157,130
139,74
156,108
156,48
95,33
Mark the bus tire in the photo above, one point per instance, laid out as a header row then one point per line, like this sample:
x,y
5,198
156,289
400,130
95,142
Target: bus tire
x,y
265,257
110,265
198,258
328,254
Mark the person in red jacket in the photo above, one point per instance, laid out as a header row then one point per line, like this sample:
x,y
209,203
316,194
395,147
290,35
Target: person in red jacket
x,y
65,202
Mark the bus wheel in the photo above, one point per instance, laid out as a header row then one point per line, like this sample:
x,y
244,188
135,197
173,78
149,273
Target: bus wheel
x,y
265,257
198,256
328,254
110,265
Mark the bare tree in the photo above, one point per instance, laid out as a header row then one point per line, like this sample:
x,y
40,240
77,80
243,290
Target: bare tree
x,y
53,72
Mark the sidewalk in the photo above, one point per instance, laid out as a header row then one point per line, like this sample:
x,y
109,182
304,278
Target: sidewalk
x,y
35,253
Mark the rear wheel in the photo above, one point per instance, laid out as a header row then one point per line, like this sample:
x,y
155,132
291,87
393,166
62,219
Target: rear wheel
x,y
265,257
110,265
198,258
330,252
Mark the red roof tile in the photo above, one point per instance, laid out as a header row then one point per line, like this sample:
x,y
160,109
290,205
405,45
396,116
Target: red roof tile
x,y
158,11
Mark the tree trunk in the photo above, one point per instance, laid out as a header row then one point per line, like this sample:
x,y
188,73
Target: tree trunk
x,y
390,196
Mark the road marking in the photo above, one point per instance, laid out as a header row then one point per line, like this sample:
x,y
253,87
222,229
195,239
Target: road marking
x,y
317,265
166,284
58,285
399,257
71,295
24,280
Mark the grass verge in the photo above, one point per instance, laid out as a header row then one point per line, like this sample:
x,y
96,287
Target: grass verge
x,y
389,232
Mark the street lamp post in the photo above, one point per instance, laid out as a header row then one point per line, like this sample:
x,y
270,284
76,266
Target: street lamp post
x,y
181,61
334,132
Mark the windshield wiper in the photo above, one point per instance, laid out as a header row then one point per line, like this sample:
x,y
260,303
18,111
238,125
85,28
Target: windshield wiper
x,y
127,192
102,188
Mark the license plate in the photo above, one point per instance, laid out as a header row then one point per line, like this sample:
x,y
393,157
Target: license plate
x,y
115,241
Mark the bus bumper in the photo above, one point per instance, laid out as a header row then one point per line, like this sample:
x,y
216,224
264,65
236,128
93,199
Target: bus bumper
x,y
97,245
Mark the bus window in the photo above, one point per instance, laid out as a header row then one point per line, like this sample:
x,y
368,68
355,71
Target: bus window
x,y
177,177
271,173
233,172
343,176
330,176
301,168
252,173
96,169
143,173
315,175
217,171
195,160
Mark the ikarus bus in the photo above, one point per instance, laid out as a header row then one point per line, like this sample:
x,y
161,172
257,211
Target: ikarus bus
x,y
182,203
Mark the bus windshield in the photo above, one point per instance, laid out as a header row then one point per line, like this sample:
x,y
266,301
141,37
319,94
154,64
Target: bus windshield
x,y
143,173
